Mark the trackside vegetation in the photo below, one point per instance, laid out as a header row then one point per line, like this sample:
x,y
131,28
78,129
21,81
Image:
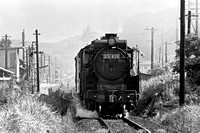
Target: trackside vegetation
x,y
159,103
23,112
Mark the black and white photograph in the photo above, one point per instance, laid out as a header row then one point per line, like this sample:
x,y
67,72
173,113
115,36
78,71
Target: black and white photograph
x,y
99,66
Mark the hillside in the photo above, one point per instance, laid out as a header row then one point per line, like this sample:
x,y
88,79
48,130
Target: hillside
x,y
164,22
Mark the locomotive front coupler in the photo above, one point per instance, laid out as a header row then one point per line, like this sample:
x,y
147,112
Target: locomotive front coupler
x,y
112,98
115,103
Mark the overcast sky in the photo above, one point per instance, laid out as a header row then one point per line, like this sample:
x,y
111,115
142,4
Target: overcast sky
x,y
56,19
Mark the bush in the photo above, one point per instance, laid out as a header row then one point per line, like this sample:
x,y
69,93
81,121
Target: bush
x,y
165,86
192,59
56,101
159,70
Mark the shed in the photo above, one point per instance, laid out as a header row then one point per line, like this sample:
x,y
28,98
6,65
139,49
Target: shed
x,y
5,77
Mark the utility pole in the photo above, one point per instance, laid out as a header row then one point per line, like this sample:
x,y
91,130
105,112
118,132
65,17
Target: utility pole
x,y
55,70
194,8
6,50
29,58
33,66
23,44
27,63
182,54
177,36
44,62
41,67
160,53
41,56
152,46
49,69
197,17
166,43
189,22
44,75
37,59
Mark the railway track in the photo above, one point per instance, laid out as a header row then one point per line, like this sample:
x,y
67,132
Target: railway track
x,y
137,126
115,125
103,124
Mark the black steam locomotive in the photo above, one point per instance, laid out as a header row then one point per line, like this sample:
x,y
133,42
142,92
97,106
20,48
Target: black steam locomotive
x,y
106,76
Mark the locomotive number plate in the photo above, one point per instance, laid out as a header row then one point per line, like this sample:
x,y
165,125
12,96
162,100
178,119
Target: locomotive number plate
x,y
111,56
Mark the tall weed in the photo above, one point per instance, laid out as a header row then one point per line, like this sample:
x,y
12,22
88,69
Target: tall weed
x,y
163,87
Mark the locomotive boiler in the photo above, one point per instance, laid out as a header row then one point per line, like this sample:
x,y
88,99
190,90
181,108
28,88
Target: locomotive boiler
x,y
106,76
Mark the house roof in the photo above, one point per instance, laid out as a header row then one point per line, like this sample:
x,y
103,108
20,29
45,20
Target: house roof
x,y
5,78
5,70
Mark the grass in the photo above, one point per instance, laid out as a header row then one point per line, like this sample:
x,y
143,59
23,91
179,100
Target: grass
x,y
184,120
179,120
25,113
56,100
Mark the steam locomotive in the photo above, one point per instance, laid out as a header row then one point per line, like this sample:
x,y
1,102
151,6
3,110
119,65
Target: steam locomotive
x,y
106,76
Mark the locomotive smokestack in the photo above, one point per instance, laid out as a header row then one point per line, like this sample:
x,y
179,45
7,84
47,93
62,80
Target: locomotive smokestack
x,y
110,35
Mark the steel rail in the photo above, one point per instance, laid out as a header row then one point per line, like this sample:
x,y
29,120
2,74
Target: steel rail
x,y
137,126
103,123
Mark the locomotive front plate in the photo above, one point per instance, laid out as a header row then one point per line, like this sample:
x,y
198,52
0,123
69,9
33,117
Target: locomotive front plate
x,y
111,56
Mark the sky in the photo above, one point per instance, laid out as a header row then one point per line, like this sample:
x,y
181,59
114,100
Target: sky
x,y
59,19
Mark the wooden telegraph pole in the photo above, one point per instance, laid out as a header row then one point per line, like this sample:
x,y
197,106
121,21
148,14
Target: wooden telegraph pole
x,y
159,57
23,45
166,51
182,54
49,63
197,3
189,22
152,46
37,59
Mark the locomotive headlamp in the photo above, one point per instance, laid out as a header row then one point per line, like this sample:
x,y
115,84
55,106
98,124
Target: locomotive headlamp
x,y
111,41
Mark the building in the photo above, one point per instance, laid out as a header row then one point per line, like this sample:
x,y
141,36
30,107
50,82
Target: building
x,y
5,77
12,63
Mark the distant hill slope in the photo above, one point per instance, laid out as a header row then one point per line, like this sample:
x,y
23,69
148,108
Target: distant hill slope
x,y
64,51
165,22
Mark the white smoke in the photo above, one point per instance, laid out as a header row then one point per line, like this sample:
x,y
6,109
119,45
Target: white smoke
x,y
120,28
84,113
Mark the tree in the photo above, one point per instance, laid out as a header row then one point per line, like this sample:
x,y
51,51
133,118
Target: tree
x,y
2,43
159,70
88,35
192,59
